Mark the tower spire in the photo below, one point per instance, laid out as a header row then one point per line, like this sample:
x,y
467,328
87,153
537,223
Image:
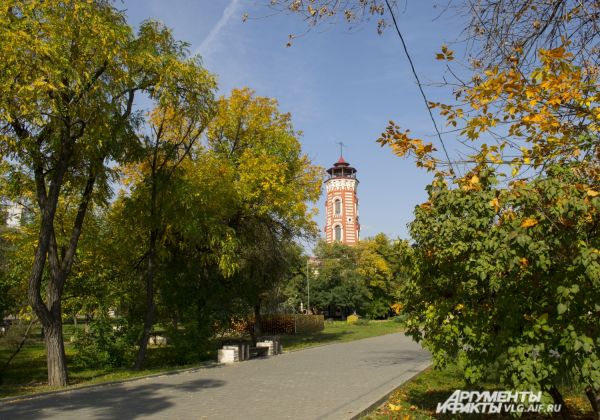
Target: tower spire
x,y
342,145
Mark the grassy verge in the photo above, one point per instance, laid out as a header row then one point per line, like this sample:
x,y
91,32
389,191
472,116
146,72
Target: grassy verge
x,y
418,398
340,331
27,372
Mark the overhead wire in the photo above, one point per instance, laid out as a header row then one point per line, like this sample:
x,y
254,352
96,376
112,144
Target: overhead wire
x,y
414,72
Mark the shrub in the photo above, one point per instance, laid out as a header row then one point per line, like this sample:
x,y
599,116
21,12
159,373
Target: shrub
x,y
102,346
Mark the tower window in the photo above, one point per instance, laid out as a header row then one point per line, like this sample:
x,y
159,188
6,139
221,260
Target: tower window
x,y
337,204
338,232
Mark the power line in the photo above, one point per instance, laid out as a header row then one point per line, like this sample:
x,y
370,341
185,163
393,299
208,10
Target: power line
x,y
414,72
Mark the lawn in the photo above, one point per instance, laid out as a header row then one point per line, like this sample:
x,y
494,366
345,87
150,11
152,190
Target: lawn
x,y
27,372
340,331
418,398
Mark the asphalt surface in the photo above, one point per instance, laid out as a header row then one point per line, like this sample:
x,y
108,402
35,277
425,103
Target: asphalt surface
x,y
334,381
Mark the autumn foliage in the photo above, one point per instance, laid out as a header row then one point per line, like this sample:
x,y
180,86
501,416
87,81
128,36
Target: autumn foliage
x,y
549,116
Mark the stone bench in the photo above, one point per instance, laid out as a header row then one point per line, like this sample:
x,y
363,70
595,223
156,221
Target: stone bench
x,y
272,344
234,352
238,351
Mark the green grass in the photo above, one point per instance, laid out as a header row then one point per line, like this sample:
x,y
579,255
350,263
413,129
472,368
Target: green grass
x,y
27,373
418,398
339,331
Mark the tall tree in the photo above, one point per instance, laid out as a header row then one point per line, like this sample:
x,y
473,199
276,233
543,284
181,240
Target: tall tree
x,y
274,183
70,72
175,127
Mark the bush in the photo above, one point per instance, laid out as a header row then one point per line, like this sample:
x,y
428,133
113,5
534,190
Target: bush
x,y
102,346
189,343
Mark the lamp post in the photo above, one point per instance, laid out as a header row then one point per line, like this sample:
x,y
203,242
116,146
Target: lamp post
x,y
307,288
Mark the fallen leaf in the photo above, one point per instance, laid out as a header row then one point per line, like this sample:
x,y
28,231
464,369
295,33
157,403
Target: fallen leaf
x,y
394,407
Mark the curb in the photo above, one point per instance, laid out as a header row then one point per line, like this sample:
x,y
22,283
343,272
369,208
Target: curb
x,y
8,400
383,399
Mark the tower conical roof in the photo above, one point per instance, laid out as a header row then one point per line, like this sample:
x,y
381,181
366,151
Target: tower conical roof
x,y
341,169
341,161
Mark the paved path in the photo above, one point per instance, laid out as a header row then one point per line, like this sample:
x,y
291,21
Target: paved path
x,y
335,381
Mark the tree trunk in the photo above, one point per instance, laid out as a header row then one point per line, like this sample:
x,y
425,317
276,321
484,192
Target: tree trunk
x,y
150,306
558,399
55,347
594,397
50,313
257,329
150,267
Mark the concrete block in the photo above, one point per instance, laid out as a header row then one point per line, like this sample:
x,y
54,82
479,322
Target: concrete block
x,y
228,355
269,345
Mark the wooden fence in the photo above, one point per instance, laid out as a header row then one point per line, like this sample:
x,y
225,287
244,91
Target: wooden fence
x,y
281,324
291,323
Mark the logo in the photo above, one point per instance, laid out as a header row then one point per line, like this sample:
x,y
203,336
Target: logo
x,y
470,402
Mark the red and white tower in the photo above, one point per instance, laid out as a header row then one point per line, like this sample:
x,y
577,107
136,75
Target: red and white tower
x,y
341,206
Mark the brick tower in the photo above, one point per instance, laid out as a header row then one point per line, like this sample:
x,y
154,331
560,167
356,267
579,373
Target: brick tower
x,y
341,206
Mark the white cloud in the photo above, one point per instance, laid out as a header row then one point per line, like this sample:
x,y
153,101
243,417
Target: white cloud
x,y
210,44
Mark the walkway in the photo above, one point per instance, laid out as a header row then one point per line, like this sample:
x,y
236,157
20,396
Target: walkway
x,y
335,381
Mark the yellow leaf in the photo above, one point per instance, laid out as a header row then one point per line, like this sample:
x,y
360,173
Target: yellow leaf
x,y
592,193
394,407
529,223
495,204
474,180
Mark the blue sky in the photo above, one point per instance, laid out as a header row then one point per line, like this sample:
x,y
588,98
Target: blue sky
x,y
339,84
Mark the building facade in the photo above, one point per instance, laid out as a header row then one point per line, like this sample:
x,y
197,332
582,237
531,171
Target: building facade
x,y
341,205
12,214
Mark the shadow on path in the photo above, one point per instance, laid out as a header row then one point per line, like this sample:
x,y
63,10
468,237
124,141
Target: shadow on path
x,y
110,402
399,357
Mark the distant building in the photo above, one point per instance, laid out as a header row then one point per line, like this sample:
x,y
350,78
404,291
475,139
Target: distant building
x,y
13,213
341,206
